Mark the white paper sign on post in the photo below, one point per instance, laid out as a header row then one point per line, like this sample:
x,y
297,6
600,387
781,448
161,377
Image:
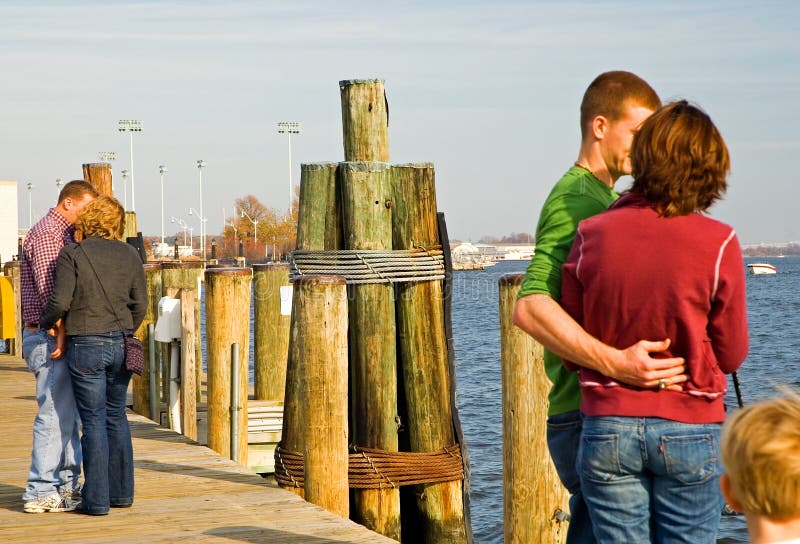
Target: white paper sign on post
x,y
286,299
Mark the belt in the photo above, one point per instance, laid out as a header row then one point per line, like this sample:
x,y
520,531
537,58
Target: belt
x,y
32,325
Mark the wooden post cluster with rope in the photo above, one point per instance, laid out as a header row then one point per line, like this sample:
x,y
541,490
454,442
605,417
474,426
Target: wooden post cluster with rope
x,y
141,384
227,322
367,205
532,492
271,331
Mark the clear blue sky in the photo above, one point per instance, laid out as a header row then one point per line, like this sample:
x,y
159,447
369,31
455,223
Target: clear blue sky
x,y
487,91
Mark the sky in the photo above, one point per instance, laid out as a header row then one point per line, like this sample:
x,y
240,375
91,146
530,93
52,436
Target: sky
x,y
488,91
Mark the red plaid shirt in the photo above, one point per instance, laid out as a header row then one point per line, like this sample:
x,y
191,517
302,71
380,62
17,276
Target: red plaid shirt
x,y
38,266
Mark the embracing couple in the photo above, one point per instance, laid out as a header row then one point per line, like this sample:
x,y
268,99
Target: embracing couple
x,y
640,302
78,298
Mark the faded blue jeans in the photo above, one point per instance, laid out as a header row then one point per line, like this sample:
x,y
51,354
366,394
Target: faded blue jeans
x,y
563,438
651,480
56,452
100,381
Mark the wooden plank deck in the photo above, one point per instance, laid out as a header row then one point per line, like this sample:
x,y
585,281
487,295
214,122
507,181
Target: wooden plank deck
x,y
184,492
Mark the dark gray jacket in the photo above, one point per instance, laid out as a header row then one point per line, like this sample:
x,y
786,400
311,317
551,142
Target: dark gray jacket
x,y
78,294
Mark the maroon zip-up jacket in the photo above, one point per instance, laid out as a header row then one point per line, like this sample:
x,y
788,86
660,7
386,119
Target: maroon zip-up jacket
x,y
634,275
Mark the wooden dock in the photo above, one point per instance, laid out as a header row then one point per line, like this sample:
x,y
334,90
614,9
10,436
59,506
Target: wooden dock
x,y
184,492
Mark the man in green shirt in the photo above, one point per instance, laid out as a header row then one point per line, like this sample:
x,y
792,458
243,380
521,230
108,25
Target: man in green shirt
x,y
613,107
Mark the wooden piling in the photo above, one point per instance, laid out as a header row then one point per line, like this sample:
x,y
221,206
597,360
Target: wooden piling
x,y
131,228
423,352
322,320
11,269
227,322
99,175
318,227
365,120
188,396
532,491
175,276
141,384
271,331
367,220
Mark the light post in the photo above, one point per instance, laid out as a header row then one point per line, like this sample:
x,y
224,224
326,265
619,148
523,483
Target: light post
x,y
254,222
182,224
59,183
200,165
162,170
125,188
289,128
131,126
30,204
202,219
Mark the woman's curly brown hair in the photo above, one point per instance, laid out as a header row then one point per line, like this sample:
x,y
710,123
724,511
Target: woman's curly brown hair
x,y
679,160
103,217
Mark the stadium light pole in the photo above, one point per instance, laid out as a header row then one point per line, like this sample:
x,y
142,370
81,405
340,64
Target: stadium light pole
x,y
130,126
59,183
162,170
125,188
182,224
30,204
289,128
200,165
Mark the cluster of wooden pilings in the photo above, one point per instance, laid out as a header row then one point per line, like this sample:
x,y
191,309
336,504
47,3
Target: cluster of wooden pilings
x,y
372,359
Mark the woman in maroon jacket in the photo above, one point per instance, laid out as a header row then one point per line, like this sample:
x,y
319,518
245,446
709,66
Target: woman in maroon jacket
x,y
653,266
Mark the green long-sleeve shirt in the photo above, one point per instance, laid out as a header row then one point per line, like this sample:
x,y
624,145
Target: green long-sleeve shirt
x,y
576,196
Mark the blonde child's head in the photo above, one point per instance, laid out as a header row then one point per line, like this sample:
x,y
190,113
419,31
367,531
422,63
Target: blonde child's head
x,y
761,456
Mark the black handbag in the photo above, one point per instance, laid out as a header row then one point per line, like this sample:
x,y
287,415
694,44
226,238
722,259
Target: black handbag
x,y
134,351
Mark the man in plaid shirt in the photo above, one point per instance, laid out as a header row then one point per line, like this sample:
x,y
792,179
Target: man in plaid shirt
x,y
56,456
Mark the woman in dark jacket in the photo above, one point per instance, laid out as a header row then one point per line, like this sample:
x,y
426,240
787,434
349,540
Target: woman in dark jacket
x,y
100,288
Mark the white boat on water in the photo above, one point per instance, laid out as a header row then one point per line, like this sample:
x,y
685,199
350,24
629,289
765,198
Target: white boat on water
x,y
762,268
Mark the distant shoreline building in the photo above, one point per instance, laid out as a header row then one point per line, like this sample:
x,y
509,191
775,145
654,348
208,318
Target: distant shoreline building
x,y
9,220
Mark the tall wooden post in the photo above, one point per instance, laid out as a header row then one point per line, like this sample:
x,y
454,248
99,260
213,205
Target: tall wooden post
x,y
323,362
532,491
131,228
271,331
366,206
365,120
227,322
12,270
188,397
423,349
141,384
99,175
174,277
318,227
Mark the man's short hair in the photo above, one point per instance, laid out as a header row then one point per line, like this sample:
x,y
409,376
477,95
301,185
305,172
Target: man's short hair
x,y
76,189
679,160
761,454
103,217
611,93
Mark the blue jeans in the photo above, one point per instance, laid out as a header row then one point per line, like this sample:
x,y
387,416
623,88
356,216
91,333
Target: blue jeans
x,y
100,381
651,479
56,452
563,437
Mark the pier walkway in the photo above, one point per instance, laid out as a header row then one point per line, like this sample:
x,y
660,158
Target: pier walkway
x,y
184,492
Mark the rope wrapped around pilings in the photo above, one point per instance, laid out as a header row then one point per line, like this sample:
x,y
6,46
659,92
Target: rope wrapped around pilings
x,y
371,468
360,266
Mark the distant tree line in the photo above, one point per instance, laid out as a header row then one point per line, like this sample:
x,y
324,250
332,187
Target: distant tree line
x,y
767,250
513,238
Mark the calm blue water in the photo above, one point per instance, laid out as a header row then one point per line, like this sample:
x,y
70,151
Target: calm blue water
x,y
773,312
774,315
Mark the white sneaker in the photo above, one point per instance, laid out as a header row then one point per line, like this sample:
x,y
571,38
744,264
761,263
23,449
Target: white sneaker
x,y
73,494
51,503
